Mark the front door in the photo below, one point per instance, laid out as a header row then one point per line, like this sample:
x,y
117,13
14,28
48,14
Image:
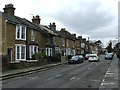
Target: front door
x,y
10,54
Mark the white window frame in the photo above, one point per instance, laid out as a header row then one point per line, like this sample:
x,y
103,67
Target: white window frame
x,y
20,45
32,35
49,52
32,50
82,45
67,42
20,34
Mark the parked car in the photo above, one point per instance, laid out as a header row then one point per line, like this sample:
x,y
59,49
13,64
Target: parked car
x,y
93,57
86,56
75,59
109,56
81,57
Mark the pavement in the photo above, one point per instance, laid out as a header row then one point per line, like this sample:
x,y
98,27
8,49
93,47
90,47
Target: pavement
x,y
111,78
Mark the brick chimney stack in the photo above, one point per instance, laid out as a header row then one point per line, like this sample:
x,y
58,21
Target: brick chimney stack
x,y
79,37
9,9
36,19
62,30
74,35
53,26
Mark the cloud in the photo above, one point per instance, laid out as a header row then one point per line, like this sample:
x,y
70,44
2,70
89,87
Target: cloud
x,y
94,18
86,18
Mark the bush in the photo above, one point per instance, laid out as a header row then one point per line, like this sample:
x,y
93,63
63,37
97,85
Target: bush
x,y
69,56
39,55
33,56
55,58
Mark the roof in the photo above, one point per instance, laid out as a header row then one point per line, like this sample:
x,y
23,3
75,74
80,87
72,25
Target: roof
x,y
17,20
48,30
66,34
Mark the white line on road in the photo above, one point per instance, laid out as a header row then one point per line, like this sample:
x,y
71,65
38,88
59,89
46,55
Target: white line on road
x,y
72,78
95,80
53,77
107,83
31,78
75,78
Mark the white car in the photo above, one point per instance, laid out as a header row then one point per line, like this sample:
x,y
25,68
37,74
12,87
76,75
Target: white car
x,y
93,57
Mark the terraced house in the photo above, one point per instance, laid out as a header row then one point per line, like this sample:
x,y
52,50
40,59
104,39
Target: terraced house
x,y
22,38
68,42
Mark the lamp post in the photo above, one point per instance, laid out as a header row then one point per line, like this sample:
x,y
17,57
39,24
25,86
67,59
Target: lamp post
x,y
88,45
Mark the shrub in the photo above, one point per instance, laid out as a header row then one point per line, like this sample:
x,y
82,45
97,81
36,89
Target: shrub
x,y
39,55
69,56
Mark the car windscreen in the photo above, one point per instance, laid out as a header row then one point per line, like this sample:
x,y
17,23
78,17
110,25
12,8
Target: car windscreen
x,y
74,58
92,56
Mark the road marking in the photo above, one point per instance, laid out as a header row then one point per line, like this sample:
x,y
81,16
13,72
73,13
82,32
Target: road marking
x,y
95,80
72,78
53,77
31,78
75,78
107,83
89,68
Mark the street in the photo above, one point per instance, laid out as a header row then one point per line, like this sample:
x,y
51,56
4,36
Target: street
x,y
84,75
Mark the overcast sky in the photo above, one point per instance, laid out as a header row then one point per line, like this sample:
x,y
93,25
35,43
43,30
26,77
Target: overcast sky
x,y
97,19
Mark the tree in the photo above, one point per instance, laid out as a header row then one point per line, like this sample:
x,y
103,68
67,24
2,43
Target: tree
x,y
99,43
109,47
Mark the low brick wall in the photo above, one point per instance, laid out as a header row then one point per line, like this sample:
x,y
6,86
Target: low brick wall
x,y
64,59
26,64
5,63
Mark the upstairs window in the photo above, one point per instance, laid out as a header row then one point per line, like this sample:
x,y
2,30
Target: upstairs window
x,y
32,35
20,32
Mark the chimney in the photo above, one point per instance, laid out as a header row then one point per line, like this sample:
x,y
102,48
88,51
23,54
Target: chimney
x,y
36,19
9,9
79,37
52,26
74,35
62,30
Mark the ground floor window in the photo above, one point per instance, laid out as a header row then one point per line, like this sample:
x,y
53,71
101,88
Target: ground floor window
x,y
20,52
82,51
49,51
33,49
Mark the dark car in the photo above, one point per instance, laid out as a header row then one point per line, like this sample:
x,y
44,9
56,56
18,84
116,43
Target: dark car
x,y
108,56
81,57
75,59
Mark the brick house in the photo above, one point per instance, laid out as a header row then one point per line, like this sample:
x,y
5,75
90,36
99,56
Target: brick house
x,y
78,45
57,39
22,38
68,43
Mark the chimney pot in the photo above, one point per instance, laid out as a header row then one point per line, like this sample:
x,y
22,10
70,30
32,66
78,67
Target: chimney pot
x,y
9,9
36,19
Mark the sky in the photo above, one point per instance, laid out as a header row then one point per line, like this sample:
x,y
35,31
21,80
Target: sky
x,y
96,19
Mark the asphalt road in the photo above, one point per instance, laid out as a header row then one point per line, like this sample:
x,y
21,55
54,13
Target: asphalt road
x,y
84,75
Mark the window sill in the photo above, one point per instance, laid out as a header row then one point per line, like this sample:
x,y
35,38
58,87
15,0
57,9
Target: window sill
x,y
21,39
33,40
32,60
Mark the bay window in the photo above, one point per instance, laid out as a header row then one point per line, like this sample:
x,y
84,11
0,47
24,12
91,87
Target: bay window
x,y
20,52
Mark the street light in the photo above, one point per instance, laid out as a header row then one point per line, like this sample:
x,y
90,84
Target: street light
x,y
88,45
